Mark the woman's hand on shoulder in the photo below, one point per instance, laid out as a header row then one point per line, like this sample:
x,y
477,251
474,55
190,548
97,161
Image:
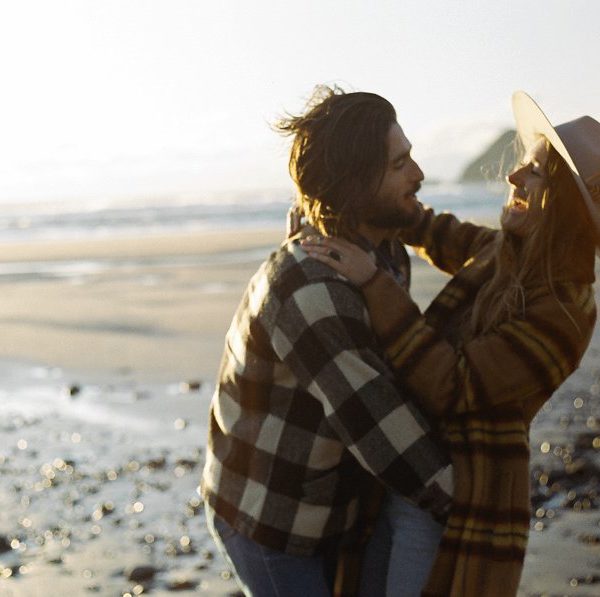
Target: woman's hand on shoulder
x,y
343,256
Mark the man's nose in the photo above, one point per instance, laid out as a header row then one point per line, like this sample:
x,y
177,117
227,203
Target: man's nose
x,y
515,177
417,172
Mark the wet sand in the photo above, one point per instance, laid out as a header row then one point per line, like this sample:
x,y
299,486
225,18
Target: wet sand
x,y
108,359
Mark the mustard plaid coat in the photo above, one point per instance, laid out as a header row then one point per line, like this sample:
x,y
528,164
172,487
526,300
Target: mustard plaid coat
x,y
485,391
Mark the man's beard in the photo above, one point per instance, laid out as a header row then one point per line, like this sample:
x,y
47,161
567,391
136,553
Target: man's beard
x,y
394,219
387,218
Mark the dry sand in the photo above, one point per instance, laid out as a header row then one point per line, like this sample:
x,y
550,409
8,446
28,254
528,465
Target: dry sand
x,y
157,305
108,355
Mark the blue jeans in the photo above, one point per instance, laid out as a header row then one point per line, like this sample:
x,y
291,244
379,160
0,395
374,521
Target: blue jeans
x,y
264,572
401,551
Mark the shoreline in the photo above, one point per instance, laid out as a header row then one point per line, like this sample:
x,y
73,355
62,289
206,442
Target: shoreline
x,y
160,306
149,245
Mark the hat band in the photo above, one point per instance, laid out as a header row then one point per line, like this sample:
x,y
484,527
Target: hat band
x,y
594,191
593,186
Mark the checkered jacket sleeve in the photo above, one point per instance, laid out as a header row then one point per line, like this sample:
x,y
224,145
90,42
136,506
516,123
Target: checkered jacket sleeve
x,y
323,335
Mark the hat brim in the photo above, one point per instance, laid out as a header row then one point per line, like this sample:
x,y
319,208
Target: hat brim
x,y
532,123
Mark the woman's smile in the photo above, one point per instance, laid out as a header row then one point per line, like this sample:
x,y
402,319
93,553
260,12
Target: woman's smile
x,y
517,203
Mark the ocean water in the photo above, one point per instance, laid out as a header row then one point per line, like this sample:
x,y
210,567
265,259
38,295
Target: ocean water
x,y
112,218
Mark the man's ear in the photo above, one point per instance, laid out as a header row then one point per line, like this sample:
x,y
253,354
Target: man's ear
x,y
294,221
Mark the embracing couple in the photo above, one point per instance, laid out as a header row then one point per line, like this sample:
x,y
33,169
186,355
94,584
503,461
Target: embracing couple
x,y
359,446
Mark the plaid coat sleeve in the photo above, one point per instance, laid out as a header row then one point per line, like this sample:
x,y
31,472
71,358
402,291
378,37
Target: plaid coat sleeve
x,y
445,241
521,359
322,333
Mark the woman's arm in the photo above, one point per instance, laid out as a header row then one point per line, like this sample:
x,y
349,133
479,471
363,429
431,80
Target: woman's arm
x,y
445,241
521,359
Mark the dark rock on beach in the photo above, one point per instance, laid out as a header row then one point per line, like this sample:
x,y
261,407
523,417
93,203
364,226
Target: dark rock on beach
x,y
72,391
141,573
190,386
181,585
4,544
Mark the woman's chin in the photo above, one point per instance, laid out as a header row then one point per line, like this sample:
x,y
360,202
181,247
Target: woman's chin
x,y
514,221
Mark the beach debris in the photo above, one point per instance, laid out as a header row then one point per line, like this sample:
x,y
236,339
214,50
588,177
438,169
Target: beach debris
x,y
589,539
135,508
538,526
185,464
186,387
157,463
181,585
181,547
72,390
9,571
133,466
103,510
112,475
97,495
5,544
180,424
186,544
190,463
590,579
587,441
140,574
193,507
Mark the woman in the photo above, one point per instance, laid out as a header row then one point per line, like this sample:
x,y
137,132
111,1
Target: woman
x,y
504,333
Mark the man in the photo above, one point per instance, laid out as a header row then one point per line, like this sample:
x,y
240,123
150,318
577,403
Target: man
x,y
305,404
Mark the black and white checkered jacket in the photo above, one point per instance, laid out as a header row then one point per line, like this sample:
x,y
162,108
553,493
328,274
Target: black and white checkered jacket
x,y
303,405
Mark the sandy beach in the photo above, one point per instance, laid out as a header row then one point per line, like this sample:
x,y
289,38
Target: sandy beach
x,y
108,357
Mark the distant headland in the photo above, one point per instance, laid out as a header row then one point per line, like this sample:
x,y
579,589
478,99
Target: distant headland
x,y
494,162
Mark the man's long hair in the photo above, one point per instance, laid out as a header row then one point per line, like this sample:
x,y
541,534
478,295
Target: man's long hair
x,y
561,245
339,155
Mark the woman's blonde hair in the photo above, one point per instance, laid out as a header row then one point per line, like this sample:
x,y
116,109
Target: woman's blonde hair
x,y
559,242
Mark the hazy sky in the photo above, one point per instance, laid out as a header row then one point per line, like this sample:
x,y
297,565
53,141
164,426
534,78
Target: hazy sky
x,y
157,97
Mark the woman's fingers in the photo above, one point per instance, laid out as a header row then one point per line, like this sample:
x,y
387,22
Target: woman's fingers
x,y
323,251
336,247
338,244
344,257
331,257
320,249
357,273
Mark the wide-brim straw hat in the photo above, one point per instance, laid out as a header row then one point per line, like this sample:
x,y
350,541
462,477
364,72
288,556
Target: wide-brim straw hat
x,y
577,141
